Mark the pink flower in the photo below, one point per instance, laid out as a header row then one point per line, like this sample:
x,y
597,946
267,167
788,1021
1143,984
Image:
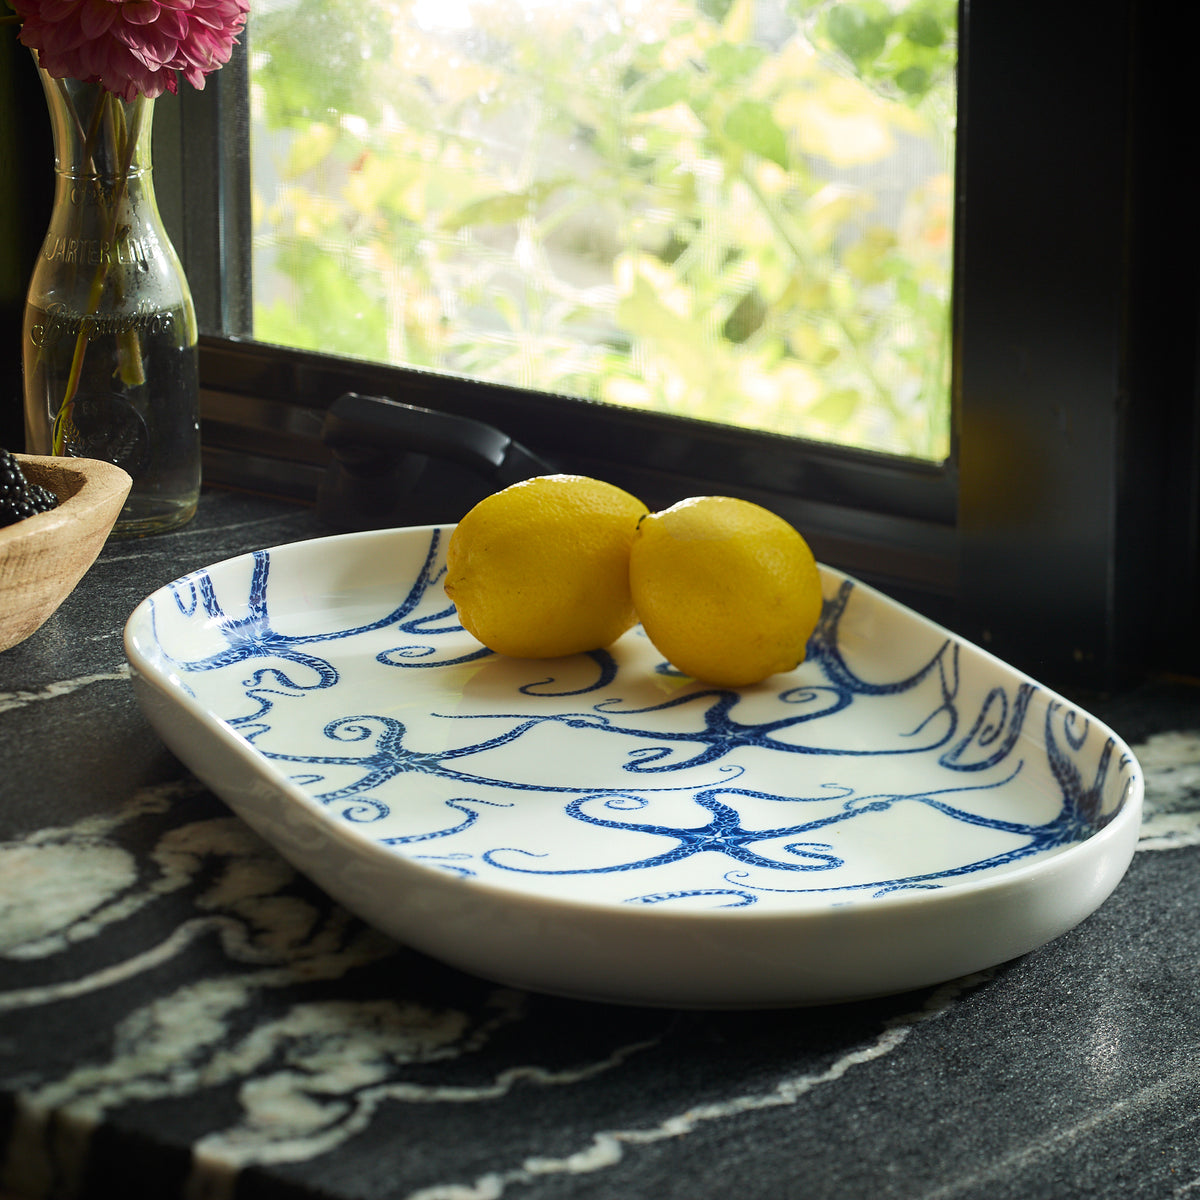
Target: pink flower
x,y
132,47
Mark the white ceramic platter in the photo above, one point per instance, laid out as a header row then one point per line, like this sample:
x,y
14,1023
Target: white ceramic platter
x,y
901,809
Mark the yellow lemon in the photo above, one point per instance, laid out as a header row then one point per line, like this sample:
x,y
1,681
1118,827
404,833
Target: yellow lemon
x,y
728,592
541,568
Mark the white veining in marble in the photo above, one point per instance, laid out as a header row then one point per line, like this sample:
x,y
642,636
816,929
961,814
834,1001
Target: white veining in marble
x,y
61,687
1171,811
313,1076
342,1065
110,976
38,916
608,1147
1115,1120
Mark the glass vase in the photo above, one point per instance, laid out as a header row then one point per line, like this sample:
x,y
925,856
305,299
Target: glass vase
x,y
109,350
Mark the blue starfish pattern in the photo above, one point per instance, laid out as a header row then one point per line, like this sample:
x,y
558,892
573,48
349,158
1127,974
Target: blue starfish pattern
x,y
699,727
389,758
252,637
720,733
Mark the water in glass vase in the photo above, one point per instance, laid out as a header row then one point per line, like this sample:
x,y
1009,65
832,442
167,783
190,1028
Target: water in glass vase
x,y
109,354
134,401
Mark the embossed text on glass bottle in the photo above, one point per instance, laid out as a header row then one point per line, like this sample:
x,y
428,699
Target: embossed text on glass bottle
x,y
110,330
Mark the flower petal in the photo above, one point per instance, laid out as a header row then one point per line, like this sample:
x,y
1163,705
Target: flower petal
x,y
132,46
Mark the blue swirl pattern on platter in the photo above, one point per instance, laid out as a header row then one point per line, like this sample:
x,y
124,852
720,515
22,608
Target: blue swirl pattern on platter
x,y
613,767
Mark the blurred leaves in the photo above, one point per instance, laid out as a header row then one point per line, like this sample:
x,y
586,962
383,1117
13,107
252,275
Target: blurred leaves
x,y
905,50
740,212
751,125
322,57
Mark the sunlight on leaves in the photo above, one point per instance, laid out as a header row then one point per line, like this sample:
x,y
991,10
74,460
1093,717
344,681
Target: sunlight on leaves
x,y
733,211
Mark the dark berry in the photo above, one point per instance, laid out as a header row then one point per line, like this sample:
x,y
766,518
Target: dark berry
x,y
18,497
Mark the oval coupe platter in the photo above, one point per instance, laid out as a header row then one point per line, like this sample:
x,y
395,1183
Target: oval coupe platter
x,y
901,809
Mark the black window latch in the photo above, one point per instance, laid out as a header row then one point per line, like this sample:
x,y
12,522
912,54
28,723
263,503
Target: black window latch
x,y
397,464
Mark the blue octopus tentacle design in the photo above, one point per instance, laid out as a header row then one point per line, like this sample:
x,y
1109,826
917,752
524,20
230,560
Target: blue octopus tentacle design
x,y
389,757
720,733
422,654
682,772
470,816
1081,812
1079,816
724,832
252,636
824,648
606,673
264,687
737,897
455,864
995,731
445,620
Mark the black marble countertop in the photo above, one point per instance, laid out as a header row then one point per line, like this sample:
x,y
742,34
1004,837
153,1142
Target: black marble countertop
x,y
182,1015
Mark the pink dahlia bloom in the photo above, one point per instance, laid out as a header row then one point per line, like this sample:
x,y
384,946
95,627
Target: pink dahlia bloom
x,y
132,47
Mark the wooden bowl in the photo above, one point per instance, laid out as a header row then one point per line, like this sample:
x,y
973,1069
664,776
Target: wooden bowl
x,y
43,557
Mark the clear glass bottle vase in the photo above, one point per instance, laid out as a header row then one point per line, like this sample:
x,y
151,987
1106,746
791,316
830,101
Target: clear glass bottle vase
x,y
110,359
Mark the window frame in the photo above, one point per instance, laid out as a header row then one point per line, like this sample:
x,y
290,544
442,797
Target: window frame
x,y
1062,531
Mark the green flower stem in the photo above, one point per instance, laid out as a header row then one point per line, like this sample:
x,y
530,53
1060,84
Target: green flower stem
x,y
105,119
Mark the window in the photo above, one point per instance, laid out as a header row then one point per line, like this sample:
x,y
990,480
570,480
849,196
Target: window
x,y
734,210
1061,529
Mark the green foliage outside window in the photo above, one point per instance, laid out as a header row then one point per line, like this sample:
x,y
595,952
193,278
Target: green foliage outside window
x,y
722,209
